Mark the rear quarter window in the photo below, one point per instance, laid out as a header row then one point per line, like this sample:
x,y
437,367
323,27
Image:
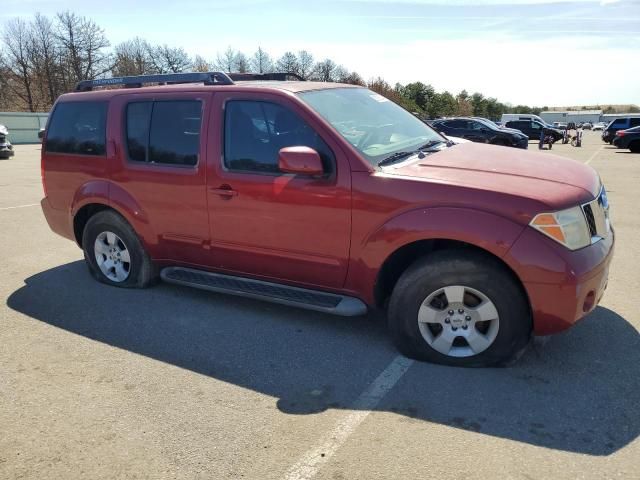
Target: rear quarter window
x,y
78,128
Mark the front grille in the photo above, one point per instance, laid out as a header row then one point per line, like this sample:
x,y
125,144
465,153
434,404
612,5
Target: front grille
x,y
591,221
596,213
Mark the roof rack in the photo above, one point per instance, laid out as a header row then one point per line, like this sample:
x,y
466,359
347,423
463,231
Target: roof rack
x,y
280,76
207,78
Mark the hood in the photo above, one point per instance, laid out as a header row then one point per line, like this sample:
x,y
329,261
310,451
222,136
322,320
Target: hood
x,y
554,181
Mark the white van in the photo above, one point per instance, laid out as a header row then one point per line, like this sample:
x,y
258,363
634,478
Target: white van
x,y
510,117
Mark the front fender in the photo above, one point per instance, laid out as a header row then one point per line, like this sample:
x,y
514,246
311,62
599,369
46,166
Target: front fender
x,y
487,231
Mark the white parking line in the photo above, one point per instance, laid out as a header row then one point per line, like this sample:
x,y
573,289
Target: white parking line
x,y
19,206
311,462
594,155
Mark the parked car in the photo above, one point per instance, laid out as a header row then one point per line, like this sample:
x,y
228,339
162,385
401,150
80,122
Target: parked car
x,y
587,126
628,139
532,129
327,197
599,126
482,131
6,149
560,125
609,133
510,117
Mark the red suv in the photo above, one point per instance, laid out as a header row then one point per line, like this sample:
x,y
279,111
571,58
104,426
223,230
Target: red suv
x,y
327,197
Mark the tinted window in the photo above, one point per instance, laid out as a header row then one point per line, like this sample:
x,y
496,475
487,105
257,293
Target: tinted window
x,y
78,127
256,131
620,123
456,123
635,121
517,125
138,117
164,132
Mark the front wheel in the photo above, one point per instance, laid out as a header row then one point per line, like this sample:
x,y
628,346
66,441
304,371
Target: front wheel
x,y
461,308
114,254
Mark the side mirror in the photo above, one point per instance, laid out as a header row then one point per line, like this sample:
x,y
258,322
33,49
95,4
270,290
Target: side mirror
x,y
300,160
41,133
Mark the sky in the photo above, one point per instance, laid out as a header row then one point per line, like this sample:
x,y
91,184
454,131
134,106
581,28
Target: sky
x,y
535,52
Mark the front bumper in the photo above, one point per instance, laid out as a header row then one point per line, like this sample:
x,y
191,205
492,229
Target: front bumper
x,y
607,136
563,286
6,150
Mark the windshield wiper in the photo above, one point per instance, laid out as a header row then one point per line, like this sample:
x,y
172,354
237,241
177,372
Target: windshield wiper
x,y
427,147
432,143
395,157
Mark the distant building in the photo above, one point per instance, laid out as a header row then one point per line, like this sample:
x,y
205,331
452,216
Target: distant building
x,y
577,116
608,117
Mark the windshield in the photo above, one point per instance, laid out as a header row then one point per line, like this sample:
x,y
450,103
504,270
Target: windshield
x,y
488,123
375,126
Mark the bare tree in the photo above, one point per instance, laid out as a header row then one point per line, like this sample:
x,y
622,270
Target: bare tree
x,y
132,57
16,61
44,52
165,59
226,60
340,74
354,79
241,63
199,64
287,63
261,62
325,71
305,64
83,47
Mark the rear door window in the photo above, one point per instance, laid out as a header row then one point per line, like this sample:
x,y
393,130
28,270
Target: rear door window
x,y
635,122
164,132
78,128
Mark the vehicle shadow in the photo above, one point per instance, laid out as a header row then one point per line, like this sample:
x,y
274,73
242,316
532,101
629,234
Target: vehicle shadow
x,y
576,393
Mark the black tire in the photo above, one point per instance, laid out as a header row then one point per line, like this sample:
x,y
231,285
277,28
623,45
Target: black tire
x,y
142,270
635,146
472,269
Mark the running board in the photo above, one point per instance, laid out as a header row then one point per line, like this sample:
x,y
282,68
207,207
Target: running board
x,y
260,290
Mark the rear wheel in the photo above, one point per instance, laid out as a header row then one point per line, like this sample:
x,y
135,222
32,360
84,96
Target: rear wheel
x,y
461,308
114,254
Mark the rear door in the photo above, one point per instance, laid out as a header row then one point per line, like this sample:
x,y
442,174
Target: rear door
x,y
161,167
266,223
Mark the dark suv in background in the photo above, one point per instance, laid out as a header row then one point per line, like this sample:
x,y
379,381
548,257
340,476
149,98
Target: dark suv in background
x,y
481,131
532,129
628,139
609,133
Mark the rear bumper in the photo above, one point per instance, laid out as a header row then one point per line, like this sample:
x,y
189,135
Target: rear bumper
x,y
563,286
59,220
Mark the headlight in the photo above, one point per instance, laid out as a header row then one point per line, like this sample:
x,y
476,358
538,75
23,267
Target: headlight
x,y
568,227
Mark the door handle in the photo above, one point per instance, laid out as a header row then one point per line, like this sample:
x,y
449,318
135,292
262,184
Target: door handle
x,y
224,191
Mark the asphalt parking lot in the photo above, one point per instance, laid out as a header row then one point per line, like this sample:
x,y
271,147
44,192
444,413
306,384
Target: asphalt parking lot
x,y
169,382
